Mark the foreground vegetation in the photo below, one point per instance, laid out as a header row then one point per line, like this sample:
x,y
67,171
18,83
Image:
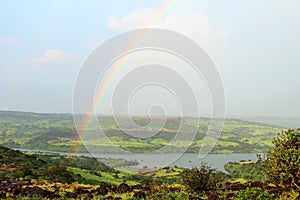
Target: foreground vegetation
x,y
273,176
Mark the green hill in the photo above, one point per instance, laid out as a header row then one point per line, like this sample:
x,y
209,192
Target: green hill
x,y
16,164
59,168
56,132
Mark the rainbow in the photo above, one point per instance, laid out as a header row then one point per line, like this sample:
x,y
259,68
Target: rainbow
x,y
117,69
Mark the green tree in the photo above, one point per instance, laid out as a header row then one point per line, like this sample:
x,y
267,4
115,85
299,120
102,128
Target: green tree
x,y
283,163
25,171
60,174
201,179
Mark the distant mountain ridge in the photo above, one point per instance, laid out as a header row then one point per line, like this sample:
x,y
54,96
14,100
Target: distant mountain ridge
x,y
284,122
288,122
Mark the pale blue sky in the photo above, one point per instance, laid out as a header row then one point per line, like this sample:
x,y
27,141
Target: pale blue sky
x,y
254,44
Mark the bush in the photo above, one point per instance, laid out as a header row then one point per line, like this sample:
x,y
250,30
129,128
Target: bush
x,y
201,179
283,162
60,174
254,194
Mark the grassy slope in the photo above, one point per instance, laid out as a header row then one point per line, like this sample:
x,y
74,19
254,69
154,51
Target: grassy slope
x,y
12,162
17,164
246,170
104,177
56,132
69,169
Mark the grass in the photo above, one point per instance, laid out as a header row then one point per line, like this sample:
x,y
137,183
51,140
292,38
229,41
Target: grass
x,y
248,170
127,170
105,176
169,172
227,143
241,180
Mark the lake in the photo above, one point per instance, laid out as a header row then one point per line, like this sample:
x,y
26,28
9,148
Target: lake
x,y
186,160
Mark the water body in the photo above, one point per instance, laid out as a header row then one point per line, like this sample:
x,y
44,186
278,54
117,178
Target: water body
x,y
186,160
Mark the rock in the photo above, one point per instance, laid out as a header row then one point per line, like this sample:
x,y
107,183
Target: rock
x,y
102,190
2,195
123,188
70,195
137,187
139,194
36,191
213,197
230,195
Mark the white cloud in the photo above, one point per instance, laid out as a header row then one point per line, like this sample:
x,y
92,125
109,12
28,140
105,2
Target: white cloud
x,y
137,19
195,25
54,56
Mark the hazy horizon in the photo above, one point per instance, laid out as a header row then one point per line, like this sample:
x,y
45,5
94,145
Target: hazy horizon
x,y
120,115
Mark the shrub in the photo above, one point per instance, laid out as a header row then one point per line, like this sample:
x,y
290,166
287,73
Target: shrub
x,y
201,179
283,162
254,194
60,174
